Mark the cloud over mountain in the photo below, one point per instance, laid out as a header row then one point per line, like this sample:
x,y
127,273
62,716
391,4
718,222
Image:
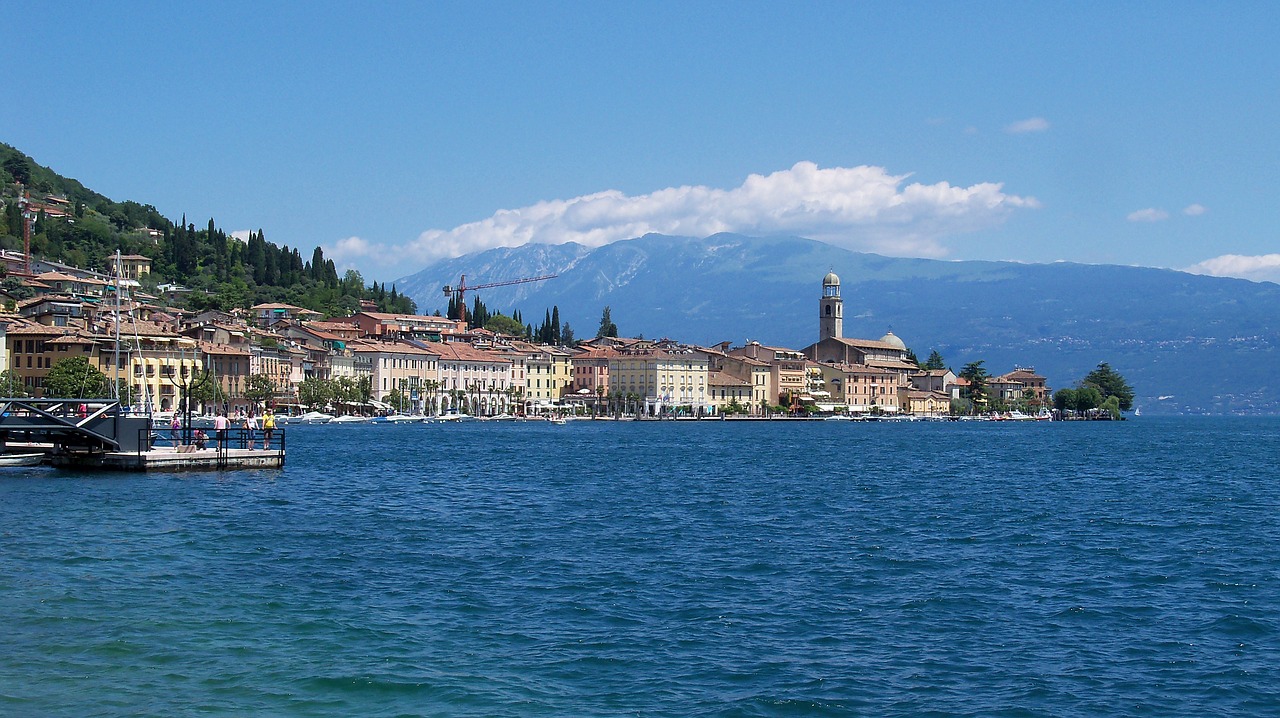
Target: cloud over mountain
x,y
1259,268
862,208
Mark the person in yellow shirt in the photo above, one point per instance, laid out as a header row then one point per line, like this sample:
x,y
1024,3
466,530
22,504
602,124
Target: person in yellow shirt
x,y
268,428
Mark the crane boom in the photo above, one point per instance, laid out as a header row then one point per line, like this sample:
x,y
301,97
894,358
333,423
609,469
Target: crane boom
x,y
461,290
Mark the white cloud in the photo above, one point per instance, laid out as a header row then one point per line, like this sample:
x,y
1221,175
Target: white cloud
x,y
1150,214
1194,210
1259,268
1031,124
863,208
242,235
354,252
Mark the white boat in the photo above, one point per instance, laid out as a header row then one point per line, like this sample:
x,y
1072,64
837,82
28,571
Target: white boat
x,y
312,417
558,420
402,418
350,420
20,459
442,419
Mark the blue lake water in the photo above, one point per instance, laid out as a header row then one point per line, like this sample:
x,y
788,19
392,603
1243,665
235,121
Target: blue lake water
x,y
660,569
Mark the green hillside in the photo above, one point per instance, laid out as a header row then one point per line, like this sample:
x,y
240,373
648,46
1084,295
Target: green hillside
x,y
225,271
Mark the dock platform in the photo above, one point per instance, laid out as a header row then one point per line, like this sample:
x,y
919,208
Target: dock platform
x,y
171,459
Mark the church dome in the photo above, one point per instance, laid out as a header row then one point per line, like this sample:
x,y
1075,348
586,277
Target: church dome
x,y
891,338
831,280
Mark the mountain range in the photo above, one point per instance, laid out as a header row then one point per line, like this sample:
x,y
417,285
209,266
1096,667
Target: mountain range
x,y
1187,343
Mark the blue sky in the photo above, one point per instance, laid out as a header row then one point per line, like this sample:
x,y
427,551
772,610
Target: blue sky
x,y
392,135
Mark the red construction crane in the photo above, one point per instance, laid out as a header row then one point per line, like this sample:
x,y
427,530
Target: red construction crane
x,y
459,292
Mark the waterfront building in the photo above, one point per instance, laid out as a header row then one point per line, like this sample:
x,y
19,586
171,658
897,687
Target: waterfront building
x,y
661,379
591,372
757,374
151,359
548,373
472,380
401,367
788,381
924,403
1022,382
726,390
228,367
275,362
33,348
861,389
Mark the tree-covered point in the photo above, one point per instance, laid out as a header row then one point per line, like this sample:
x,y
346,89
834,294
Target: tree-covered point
x,y
1109,382
226,271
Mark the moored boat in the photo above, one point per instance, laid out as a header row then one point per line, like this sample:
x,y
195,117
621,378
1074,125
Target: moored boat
x,y
21,459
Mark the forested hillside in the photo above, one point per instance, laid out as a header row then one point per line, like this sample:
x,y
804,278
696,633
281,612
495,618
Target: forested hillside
x,y
225,271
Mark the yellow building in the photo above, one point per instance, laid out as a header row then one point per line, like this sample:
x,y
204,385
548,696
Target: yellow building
x,y
548,373
132,266
662,379
153,363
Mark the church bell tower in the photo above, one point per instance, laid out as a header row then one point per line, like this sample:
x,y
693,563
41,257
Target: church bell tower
x,y
830,309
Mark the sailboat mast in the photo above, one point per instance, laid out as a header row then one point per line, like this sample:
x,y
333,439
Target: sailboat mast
x,y
116,387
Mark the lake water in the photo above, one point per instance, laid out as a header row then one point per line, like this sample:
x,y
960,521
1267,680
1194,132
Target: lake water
x,y
660,569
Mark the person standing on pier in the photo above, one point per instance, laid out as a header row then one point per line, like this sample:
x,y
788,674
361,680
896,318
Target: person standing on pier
x,y
220,426
250,426
268,428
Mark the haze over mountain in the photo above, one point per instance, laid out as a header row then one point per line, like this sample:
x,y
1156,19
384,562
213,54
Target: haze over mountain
x,y
1204,344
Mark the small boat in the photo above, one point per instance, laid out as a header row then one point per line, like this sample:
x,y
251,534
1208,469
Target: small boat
x,y
312,417
350,420
558,420
402,418
21,459
442,419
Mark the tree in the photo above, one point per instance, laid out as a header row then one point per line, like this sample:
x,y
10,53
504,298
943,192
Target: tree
x,y
1112,406
977,376
1088,398
566,335
314,392
607,327
1064,400
259,388
502,324
1109,382
75,377
12,386
19,168
934,361
397,400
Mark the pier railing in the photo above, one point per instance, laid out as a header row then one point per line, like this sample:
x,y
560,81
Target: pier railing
x,y
237,438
